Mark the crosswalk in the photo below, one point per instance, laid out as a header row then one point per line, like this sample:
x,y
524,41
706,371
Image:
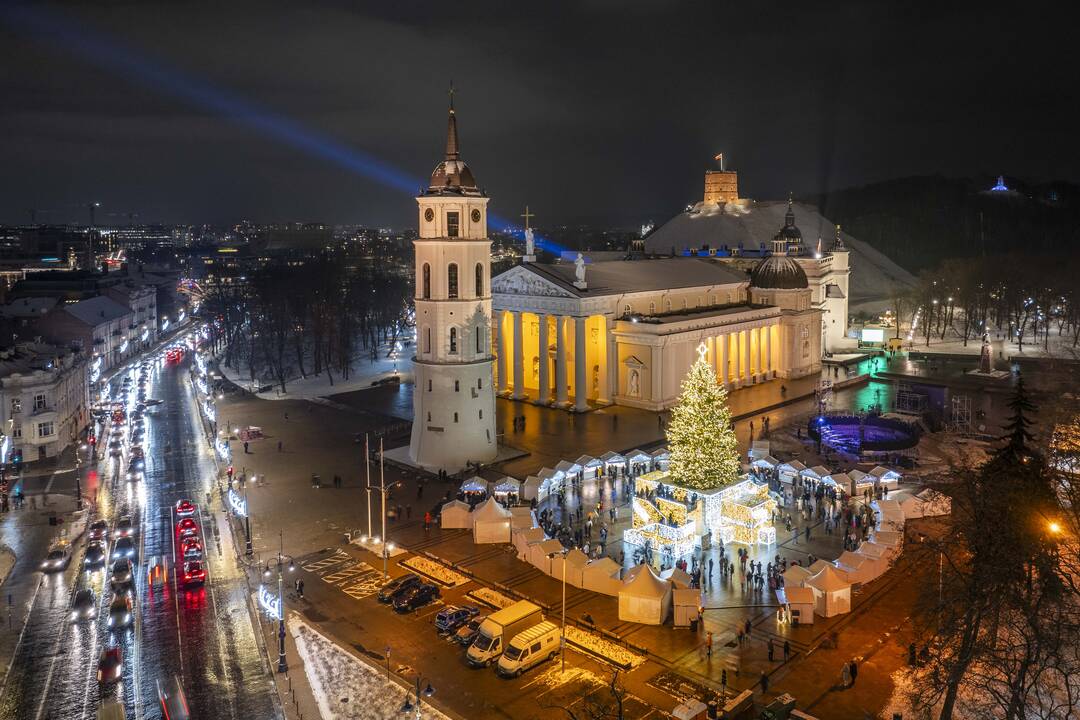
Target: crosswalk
x,y
337,558
358,580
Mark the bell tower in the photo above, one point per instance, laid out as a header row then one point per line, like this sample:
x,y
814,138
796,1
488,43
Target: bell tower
x,y
454,398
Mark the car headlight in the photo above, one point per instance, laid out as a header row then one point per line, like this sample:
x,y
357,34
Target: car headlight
x,y
127,617
74,615
110,621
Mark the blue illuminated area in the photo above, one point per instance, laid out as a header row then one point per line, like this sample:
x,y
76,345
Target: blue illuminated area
x,y
1000,186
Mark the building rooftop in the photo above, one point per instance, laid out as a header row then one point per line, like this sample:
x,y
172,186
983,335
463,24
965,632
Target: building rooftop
x,y
26,358
97,310
29,307
624,276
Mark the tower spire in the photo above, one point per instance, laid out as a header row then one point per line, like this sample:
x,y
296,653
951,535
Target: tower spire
x,y
451,130
839,244
789,216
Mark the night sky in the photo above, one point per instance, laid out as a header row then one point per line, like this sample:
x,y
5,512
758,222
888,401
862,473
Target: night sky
x,y
602,111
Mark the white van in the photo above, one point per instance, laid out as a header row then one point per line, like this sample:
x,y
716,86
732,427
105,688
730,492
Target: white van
x,y
528,648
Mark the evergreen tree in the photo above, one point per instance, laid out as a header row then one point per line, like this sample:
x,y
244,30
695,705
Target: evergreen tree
x,y
1017,433
700,437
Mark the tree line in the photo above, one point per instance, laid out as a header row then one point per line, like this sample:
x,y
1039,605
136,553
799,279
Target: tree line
x,y
299,317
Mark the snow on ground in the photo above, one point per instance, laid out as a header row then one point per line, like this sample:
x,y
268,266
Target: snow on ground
x,y
363,373
346,687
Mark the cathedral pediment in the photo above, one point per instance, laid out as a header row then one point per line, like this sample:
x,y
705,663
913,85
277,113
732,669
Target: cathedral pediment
x,y
521,281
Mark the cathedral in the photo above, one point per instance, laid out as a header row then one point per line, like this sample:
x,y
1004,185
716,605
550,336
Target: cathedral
x,y
625,328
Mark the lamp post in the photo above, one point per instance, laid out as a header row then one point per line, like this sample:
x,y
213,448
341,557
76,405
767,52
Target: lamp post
x,y
562,639
247,524
408,707
367,470
384,489
282,666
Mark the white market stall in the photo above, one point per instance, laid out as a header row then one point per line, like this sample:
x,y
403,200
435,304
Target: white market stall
x,y
818,565
474,489
661,458
575,564
530,489
815,473
890,516
539,554
676,576
508,490
645,598
840,481
856,567
860,482
889,538
789,471
523,539
491,523
832,593
874,566
521,517
613,460
602,576
686,603
571,471
800,603
455,514
886,477
590,466
928,503
759,449
639,462
768,462
873,549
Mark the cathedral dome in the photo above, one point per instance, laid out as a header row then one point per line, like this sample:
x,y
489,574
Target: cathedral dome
x,y
790,232
778,272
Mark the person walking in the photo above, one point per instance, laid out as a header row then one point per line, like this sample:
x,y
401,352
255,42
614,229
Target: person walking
x,y
300,588
854,672
845,676
279,446
708,645
807,533
764,683
787,650
770,650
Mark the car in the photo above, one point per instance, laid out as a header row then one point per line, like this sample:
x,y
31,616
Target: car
x,y
185,508
57,559
116,452
151,402
121,576
110,666
191,548
467,632
125,548
116,443
84,605
451,618
124,527
99,529
194,574
415,598
397,585
187,527
120,612
96,554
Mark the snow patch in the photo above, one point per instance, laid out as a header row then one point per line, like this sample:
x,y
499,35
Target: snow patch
x,y
346,687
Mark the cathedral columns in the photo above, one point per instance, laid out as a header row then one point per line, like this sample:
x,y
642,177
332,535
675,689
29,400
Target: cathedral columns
x,y
744,341
561,395
581,390
766,351
519,359
501,349
721,358
603,394
545,362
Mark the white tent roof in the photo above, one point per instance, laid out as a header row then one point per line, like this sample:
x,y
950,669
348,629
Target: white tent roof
x,y
795,575
661,452
567,467
636,455
646,584
819,565
587,461
818,471
856,475
887,537
767,461
604,566
840,479
532,481
793,465
508,484
533,535
883,472
455,505
677,576
474,484
759,448
547,473
549,547
577,558
612,456
490,510
872,549
851,560
828,580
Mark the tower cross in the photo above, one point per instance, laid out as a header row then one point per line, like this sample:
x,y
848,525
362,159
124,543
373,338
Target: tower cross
x,y
702,350
527,215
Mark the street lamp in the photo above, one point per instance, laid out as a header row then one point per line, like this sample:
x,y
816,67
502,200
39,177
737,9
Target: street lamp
x,y
408,707
282,666
1054,527
385,490
562,639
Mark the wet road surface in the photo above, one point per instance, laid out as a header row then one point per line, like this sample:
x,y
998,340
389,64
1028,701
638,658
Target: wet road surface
x,y
199,636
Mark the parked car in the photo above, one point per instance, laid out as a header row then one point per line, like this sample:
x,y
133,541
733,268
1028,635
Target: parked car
x,y
396,586
467,632
450,619
416,597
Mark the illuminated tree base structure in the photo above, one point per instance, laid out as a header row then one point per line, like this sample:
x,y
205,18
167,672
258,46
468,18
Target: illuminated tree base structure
x,y
672,519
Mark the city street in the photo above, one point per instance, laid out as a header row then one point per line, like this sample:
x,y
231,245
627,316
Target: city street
x,y
200,636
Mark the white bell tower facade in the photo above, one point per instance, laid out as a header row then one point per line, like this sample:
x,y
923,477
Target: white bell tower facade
x,y
454,397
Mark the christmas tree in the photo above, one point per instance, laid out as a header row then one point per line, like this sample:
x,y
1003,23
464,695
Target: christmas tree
x,y
700,437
